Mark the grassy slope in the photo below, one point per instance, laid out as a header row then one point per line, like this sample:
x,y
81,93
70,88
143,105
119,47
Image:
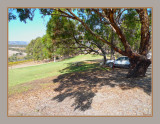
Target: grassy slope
x,y
26,74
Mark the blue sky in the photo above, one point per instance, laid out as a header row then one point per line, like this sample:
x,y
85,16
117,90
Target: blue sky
x,y
20,31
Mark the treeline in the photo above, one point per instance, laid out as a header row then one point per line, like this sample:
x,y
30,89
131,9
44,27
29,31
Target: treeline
x,y
43,48
17,57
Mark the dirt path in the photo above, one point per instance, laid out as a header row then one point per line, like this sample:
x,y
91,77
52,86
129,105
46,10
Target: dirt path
x,y
94,92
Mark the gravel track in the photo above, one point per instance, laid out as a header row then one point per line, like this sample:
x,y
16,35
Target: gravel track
x,y
90,93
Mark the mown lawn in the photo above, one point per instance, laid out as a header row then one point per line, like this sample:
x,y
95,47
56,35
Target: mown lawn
x,y
27,74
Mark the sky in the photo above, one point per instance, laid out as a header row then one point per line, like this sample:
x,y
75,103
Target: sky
x,y
20,31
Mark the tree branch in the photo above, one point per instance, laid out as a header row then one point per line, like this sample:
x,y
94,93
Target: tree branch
x,y
119,15
145,34
66,14
84,45
101,16
97,36
110,15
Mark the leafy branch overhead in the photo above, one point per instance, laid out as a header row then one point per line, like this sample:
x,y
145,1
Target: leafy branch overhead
x,y
126,31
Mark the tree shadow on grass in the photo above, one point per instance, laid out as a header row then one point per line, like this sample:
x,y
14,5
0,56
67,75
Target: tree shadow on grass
x,y
83,85
79,67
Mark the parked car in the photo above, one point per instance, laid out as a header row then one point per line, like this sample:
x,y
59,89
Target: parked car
x,y
120,62
149,55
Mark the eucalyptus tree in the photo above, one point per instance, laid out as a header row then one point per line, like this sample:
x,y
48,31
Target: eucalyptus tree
x,y
116,19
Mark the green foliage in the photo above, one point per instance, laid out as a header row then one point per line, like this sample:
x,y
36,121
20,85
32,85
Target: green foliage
x,y
132,28
59,36
13,58
36,50
49,48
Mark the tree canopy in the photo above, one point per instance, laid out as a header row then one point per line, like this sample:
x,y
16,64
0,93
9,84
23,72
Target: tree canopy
x,y
130,28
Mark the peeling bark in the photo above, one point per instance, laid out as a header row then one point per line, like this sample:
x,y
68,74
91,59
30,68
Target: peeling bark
x,y
145,34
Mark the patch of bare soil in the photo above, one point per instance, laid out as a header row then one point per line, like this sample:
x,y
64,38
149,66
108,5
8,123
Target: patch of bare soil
x,y
90,93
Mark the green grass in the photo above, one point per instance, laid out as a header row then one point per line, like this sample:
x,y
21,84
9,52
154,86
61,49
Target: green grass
x,y
27,74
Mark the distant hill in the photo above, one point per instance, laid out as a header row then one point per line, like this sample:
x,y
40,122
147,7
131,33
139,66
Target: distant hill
x,y
18,43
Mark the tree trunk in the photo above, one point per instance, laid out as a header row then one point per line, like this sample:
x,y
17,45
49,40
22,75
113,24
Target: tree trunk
x,y
104,59
112,50
54,58
138,67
